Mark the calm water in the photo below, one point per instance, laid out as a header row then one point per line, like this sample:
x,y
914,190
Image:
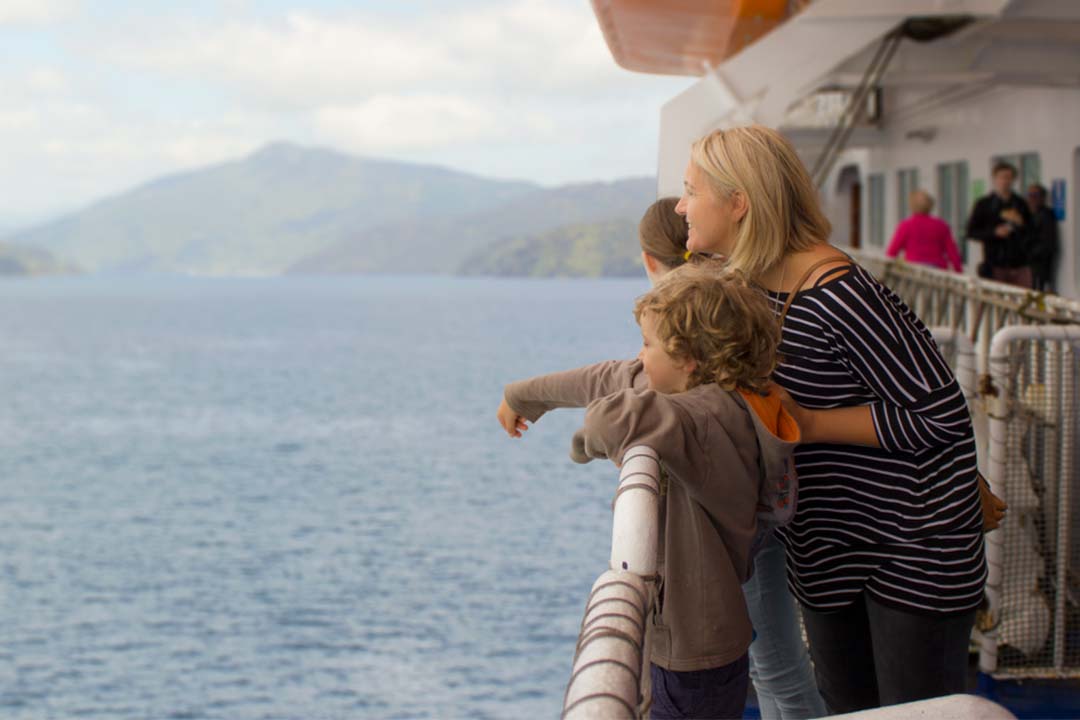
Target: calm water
x,y
290,498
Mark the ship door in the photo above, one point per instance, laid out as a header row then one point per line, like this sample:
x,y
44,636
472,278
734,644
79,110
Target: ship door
x,y
849,213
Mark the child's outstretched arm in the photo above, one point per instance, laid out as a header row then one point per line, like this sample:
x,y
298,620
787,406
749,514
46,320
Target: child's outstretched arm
x,y
617,422
530,399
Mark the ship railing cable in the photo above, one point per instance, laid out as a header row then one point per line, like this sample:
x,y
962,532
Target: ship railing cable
x,y
610,675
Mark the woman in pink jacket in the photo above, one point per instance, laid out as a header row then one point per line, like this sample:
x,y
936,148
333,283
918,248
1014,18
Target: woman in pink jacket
x,y
925,240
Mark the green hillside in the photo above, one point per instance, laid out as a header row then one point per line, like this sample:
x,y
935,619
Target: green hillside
x,y
582,250
17,260
439,244
259,214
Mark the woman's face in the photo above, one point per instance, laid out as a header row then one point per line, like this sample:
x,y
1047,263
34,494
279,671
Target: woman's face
x,y
712,219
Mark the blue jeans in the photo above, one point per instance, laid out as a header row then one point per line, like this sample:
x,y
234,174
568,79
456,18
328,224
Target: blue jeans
x,y
779,663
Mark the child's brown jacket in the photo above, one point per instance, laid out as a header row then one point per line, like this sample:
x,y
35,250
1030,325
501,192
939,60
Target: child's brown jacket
x,y
710,443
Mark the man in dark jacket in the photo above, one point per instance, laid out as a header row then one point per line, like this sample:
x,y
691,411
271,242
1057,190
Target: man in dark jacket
x,y
1001,221
1042,240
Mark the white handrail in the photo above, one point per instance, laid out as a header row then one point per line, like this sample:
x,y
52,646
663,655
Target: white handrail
x,y
611,660
950,707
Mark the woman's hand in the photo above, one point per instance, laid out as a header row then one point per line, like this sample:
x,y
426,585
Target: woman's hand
x,y
511,422
993,507
837,426
804,417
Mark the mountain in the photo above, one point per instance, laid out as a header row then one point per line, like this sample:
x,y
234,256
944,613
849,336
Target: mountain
x,y
18,260
262,213
438,244
582,250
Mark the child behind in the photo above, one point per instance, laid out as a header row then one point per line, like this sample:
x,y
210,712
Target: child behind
x,y
697,395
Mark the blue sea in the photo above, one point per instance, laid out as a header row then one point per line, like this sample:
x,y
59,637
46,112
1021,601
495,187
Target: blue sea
x,y
289,497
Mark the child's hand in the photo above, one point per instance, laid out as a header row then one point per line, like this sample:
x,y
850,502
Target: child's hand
x,y
512,423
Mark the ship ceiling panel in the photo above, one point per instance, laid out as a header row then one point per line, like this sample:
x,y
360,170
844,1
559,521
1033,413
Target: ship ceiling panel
x,y
1005,51
760,83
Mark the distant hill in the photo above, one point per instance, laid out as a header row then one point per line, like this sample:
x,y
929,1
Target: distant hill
x,y
17,260
262,213
582,250
439,244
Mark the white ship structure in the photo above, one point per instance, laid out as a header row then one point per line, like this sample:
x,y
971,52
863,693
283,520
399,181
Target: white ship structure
x,y
882,97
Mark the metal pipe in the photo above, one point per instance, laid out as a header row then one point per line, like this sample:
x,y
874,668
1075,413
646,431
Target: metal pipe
x,y
1065,478
999,401
611,659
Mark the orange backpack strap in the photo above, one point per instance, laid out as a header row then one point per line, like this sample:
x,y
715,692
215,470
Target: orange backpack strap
x,y
802,281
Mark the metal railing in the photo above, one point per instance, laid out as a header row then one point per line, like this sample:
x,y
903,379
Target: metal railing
x,y
611,661
1016,354
976,306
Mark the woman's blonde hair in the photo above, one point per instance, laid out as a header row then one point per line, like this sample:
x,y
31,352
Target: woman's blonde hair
x,y
709,313
663,233
783,214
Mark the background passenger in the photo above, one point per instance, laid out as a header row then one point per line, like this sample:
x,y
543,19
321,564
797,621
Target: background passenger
x,y
999,221
924,239
1043,244
779,664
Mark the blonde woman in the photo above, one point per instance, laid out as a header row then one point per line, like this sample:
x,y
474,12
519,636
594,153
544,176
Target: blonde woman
x,y
885,552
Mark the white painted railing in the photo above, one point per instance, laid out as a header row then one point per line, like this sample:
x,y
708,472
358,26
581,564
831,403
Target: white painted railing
x,y
611,662
976,306
950,707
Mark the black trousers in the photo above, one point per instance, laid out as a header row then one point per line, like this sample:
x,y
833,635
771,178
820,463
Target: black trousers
x,y
715,694
869,654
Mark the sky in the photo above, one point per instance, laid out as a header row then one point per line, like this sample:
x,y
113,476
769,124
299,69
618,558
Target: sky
x,y
97,96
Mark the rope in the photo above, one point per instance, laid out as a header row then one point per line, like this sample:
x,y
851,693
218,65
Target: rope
x,y
638,622
605,661
594,696
633,486
612,583
606,633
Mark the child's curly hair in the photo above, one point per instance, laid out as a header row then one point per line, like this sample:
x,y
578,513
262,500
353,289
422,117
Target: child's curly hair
x,y
711,314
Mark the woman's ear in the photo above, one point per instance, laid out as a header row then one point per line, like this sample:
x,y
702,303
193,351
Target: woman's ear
x,y
740,205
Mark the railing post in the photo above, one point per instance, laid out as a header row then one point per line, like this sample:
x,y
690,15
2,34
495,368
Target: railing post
x,y
611,661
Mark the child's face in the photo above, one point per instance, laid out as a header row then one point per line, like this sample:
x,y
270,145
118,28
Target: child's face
x,y
665,373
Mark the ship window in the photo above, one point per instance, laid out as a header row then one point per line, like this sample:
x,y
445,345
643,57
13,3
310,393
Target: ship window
x,y
953,203
1028,167
876,185
907,180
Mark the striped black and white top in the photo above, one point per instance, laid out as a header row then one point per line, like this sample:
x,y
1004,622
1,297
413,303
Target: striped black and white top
x,y
903,521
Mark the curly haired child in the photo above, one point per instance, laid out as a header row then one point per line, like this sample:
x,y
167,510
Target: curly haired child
x,y
698,394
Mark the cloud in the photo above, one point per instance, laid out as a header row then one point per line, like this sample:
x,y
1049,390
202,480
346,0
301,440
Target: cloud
x,y
386,123
17,119
46,80
305,60
36,12
514,88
